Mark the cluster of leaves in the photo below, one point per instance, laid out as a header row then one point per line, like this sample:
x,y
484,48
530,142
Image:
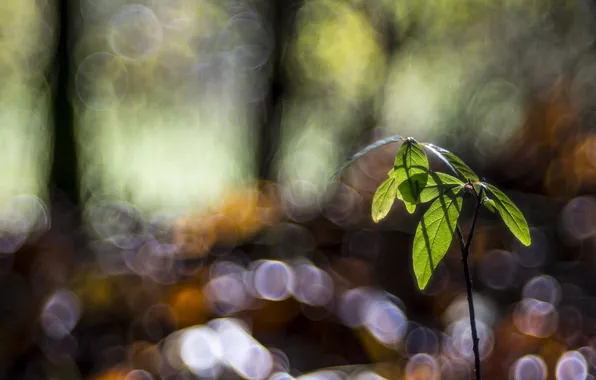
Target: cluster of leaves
x,y
413,182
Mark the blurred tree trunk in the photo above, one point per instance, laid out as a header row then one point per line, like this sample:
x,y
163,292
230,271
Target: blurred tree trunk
x,y
64,172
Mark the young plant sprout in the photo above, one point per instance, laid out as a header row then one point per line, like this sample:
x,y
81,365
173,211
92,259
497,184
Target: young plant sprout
x,y
413,182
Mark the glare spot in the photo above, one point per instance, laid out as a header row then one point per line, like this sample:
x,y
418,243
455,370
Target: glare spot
x,y
113,219
365,375
351,304
227,294
201,351
590,355
154,260
256,363
234,334
101,81
385,321
12,233
422,340
135,32
273,280
422,366
578,217
543,288
241,351
535,318
447,347
498,269
281,376
128,241
343,204
312,286
322,375
249,40
461,338
453,367
26,214
571,366
458,309
138,374
61,314
280,359
160,226
222,268
176,15
300,200
529,367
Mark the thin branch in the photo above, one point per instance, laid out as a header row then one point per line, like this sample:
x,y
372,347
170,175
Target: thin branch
x,y
460,236
473,226
465,250
475,339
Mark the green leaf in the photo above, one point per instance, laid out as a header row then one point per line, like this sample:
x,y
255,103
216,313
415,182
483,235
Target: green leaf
x,y
367,149
454,162
384,198
411,172
437,183
435,233
511,215
489,204
410,207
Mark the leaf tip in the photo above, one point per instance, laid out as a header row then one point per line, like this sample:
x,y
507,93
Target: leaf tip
x,y
527,241
410,207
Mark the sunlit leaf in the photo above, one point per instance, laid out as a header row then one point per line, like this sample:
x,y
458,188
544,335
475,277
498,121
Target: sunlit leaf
x,y
454,162
434,234
511,215
367,149
409,191
489,204
411,172
384,198
410,207
436,184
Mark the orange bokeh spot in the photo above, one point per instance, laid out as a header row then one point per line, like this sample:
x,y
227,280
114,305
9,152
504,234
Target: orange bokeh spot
x,y
111,374
189,307
241,214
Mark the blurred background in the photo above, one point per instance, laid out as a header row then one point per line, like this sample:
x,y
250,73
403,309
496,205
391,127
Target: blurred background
x,y
166,208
